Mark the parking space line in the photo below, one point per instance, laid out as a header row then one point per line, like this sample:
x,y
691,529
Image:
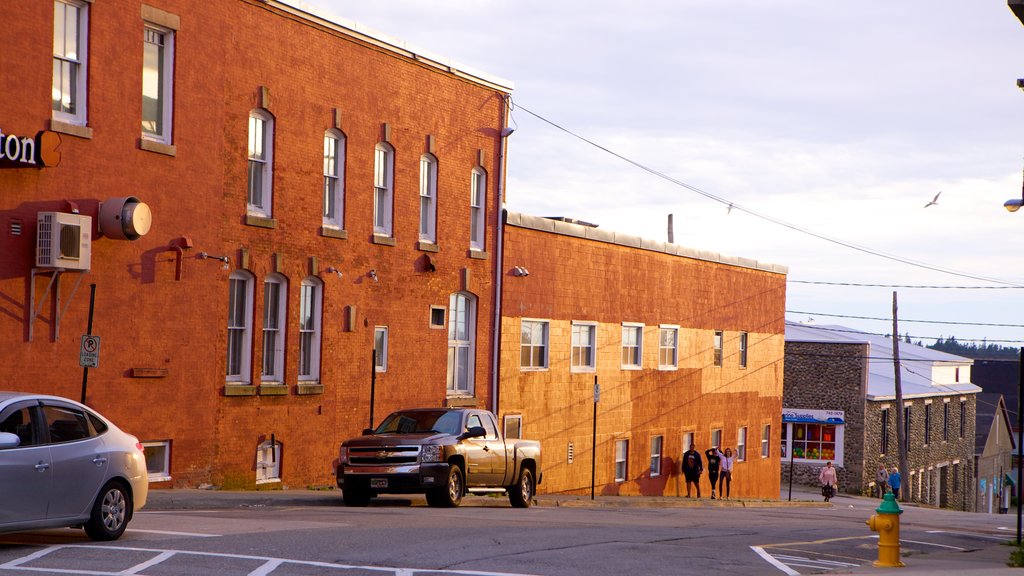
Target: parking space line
x,y
149,563
971,534
33,556
171,533
771,560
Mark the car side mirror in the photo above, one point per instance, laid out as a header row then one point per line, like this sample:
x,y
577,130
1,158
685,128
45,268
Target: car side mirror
x,y
8,440
473,432
367,431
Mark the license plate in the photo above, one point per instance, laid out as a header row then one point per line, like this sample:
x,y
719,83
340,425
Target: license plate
x,y
378,482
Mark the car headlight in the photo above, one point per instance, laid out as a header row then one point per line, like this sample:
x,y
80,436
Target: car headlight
x,y
343,455
431,453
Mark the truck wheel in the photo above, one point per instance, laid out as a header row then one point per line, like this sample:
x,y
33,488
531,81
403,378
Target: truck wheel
x,y
521,495
449,495
355,496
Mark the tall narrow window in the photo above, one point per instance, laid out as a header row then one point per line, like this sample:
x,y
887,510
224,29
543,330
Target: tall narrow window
x,y
963,417
945,421
275,290
927,424
718,347
656,456
668,347
428,199
743,349
716,438
334,180
632,345
261,162
766,439
380,348
309,329
688,438
157,83
70,43
906,428
383,188
477,210
239,327
885,431
741,444
533,344
461,339
584,347
621,458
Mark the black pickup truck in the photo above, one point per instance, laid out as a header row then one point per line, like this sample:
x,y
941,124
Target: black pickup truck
x,y
441,452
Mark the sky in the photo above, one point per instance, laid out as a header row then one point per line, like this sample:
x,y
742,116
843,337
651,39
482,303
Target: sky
x,y
811,118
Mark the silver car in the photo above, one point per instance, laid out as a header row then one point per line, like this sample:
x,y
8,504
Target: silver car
x,y
62,464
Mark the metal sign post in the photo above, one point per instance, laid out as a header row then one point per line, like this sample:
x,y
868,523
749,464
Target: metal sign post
x,y
593,441
90,353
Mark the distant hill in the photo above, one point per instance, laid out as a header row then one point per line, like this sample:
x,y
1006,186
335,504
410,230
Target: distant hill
x,y
982,350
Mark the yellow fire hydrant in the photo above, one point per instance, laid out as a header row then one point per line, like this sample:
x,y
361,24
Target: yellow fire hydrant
x,y
887,523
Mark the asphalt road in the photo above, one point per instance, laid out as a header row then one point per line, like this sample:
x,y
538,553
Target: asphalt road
x,y
317,535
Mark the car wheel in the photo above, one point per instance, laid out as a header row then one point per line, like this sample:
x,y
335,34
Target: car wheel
x,y
355,496
110,513
449,495
521,495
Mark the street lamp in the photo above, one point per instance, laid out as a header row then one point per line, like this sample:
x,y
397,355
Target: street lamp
x,y
1013,204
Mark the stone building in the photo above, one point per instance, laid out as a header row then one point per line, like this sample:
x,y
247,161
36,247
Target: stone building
x,y
839,405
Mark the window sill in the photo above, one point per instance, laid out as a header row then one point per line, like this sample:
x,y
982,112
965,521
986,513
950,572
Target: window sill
x,y
309,388
273,389
427,246
328,232
668,368
157,147
533,368
260,221
582,370
270,481
478,255
71,129
239,390
632,367
460,401
382,240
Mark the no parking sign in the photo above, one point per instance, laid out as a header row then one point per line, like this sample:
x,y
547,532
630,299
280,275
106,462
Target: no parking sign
x,y
89,356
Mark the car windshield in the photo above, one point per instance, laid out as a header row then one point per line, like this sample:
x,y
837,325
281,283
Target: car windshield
x,y
421,421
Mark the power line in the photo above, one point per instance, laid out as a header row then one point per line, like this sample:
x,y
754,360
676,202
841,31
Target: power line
x,y
773,220
887,335
859,284
907,320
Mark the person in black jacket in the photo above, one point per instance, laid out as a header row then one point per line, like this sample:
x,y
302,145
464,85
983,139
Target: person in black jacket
x,y
714,464
692,468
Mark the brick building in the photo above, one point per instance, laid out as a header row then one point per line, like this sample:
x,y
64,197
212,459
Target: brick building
x,y
684,345
839,406
315,191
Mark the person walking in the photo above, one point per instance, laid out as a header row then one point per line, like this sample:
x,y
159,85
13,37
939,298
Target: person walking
x,y
827,477
725,476
894,482
692,469
714,466
882,480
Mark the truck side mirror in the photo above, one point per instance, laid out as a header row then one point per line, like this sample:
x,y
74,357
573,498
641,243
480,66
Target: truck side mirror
x,y
473,432
367,431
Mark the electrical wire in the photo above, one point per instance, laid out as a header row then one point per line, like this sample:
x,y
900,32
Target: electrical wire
x,y
950,322
866,285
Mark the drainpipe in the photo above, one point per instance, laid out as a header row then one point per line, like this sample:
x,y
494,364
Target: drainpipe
x,y
499,206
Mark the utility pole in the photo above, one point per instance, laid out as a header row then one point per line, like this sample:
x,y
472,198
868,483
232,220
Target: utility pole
x,y
901,437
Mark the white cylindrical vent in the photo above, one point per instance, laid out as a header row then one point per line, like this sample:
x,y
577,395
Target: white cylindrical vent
x,y
125,218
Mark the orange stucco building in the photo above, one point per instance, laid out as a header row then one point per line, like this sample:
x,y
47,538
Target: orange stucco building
x,y
684,346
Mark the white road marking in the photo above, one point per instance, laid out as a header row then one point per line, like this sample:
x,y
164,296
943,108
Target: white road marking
x,y
171,533
149,563
971,534
934,544
771,560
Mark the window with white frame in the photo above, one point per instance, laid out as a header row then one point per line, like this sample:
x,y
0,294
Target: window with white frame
x,y
477,199
275,293
268,462
334,179
239,356
813,441
766,441
157,83
261,163
70,47
461,343
656,455
741,444
158,460
621,456
437,317
428,198
383,188
718,347
668,347
716,438
514,426
688,439
632,345
533,344
310,315
584,347
743,349
380,348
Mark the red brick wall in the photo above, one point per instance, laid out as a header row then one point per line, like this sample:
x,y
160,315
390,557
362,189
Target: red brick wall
x,y
572,278
225,51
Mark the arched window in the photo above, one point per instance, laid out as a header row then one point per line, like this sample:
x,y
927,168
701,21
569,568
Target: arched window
x,y
334,179
461,343
261,163
310,314
275,299
239,327
428,198
383,188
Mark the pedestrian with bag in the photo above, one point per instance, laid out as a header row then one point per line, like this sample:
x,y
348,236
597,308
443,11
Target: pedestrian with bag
x,y
692,468
882,480
828,480
714,465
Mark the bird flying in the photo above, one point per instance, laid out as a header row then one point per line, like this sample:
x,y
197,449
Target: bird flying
x,y
934,200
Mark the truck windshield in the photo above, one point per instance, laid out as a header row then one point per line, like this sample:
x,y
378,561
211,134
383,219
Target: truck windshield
x,y
421,421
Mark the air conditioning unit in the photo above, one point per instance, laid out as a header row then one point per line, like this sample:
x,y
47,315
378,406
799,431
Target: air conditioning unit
x,y
63,241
